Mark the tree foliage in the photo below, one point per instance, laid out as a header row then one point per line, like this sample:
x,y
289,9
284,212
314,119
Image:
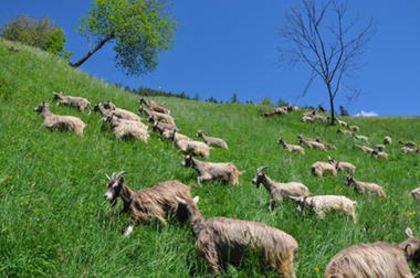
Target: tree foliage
x,y
41,33
139,30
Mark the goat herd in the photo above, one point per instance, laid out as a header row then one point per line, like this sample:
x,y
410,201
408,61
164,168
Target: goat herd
x,y
223,240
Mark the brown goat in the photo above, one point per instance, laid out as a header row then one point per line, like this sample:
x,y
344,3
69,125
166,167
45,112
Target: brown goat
x,y
154,106
378,259
223,240
79,102
158,202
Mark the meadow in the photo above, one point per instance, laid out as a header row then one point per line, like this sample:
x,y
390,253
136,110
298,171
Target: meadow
x,y
54,220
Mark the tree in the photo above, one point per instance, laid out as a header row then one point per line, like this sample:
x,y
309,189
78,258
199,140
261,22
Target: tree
x,y
234,98
320,35
41,33
138,29
343,111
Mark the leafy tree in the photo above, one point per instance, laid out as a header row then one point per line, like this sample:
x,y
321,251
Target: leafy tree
x,y
138,29
41,33
234,98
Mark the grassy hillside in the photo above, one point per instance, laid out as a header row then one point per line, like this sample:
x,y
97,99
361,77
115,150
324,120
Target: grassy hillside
x,y
55,222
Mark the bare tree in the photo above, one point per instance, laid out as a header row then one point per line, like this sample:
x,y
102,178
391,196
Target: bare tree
x,y
320,35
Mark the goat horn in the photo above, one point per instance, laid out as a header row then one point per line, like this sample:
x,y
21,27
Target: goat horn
x,y
409,232
108,177
294,198
119,174
262,168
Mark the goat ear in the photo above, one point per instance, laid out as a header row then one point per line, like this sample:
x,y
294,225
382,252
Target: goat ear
x,y
408,232
409,250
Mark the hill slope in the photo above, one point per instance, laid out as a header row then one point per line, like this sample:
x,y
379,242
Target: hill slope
x,y
54,220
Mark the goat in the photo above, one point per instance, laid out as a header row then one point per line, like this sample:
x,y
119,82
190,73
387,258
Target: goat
x,y
58,122
341,123
377,154
319,167
327,145
276,111
279,191
291,147
212,141
221,241
114,121
126,129
188,146
156,116
322,204
416,194
310,143
410,150
154,106
387,140
380,147
363,187
354,128
225,172
157,202
410,144
80,103
379,259
109,108
344,132
360,137
364,149
341,166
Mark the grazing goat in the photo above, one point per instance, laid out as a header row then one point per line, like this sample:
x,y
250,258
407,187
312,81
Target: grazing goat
x,y
80,103
157,202
154,106
327,145
387,140
279,191
319,167
157,116
364,149
290,147
225,172
344,132
377,154
379,259
310,143
360,137
416,194
410,144
276,111
410,150
58,122
128,129
212,141
363,187
188,146
222,241
341,166
322,204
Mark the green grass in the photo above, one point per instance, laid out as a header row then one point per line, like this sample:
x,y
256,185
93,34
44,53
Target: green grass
x,y
54,221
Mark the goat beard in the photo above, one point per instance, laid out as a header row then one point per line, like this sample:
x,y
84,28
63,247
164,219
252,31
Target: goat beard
x,y
114,202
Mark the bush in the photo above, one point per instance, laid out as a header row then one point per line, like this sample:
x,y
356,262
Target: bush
x,y
41,33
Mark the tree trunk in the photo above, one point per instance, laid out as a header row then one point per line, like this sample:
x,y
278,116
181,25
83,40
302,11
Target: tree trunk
x,y
93,51
330,94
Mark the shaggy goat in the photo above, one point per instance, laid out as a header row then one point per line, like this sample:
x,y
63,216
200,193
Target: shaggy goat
x,y
279,191
341,166
58,122
126,129
212,141
121,113
157,116
377,154
416,194
226,172
380,147
154,106
157,202
80,103
409,150
410,144
291,147
310,143
387,140
322,204
360,137
221,241
327,145
364,149
363,187
379,259
319,167
114,121
188,146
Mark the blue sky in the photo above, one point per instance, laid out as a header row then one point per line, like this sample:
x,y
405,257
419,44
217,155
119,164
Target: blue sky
x,y
225,47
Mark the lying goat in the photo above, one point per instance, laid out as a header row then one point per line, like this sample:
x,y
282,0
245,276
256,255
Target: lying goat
x,y
128,129
276,111
322,204
291,147
225,172
221,241
80,103
212,141
154,106
410,150
279,191
360,137
188,146
377,154
378,259
328,146
310,143
58,122
157,202
363,187
410,144
364,149
341,166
